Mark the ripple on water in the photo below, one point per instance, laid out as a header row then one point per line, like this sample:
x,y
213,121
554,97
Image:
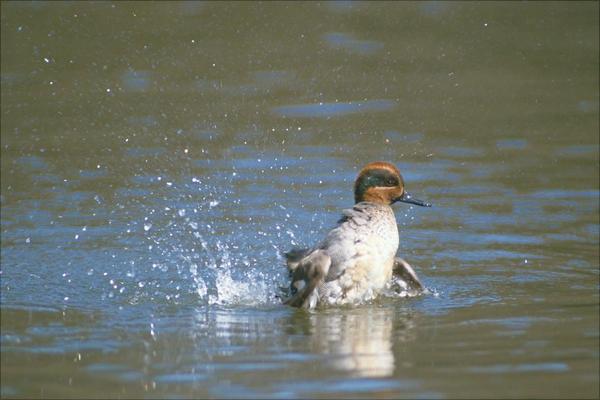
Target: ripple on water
x,y
511,144
398,137
577,150
565,194
515,368
32,162
325,110
352,385
144,121
460,152
345,41
136,81
139,152
181,378
274,78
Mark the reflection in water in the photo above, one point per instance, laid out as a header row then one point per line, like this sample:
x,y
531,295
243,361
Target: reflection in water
x,y
360,341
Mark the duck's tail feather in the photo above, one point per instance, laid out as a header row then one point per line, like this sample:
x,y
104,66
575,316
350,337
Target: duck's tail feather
x,y
308,274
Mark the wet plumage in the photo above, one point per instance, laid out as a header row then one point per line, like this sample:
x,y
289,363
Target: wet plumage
x,y
356,259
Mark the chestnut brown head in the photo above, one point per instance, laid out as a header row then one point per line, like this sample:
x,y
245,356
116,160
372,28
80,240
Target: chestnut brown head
x,y
381,182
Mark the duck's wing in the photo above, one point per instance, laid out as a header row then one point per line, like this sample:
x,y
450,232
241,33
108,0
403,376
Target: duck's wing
x,y
309,273
293,258
408,274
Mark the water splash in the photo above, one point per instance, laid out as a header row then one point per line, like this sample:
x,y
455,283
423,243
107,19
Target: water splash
x,y
195,249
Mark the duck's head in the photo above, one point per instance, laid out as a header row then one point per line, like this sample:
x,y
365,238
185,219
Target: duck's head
x,y
381,182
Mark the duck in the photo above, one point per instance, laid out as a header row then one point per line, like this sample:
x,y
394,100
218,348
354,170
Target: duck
x,y
357,259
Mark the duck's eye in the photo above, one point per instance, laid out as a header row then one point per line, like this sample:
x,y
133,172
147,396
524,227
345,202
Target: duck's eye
x,y
391,182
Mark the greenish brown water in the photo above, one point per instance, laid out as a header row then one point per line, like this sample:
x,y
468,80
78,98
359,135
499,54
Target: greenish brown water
x,y
157,157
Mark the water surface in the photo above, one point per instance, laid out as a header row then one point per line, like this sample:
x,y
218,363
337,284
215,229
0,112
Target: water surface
x,y
156,158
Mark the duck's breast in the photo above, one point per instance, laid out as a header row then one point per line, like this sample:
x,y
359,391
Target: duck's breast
x,y
362,250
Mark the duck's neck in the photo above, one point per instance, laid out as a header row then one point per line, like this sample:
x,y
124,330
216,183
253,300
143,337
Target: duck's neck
x,y
373,196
